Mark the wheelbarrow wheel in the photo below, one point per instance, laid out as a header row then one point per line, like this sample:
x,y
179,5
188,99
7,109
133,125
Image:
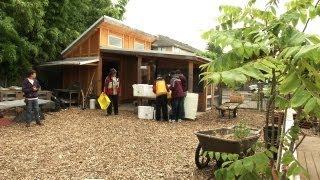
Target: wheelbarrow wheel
x,y
201,160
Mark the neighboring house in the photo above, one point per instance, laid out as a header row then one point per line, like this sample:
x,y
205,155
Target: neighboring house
x,y
109,43
164,43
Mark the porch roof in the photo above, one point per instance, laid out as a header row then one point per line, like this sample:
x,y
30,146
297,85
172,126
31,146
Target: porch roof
x,y
153,53
76,61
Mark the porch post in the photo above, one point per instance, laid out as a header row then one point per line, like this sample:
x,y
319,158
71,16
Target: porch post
x,y
139,79
190,76
99,76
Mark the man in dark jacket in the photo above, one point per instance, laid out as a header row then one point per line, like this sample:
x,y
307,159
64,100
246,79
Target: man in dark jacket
x,y
185,89
177,97
30,88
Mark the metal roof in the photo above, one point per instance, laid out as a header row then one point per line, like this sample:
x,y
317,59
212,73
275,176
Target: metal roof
x,y
164,41
108,20
153,53
77,61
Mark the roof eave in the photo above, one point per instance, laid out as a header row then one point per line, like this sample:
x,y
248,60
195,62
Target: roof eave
x,y
93,26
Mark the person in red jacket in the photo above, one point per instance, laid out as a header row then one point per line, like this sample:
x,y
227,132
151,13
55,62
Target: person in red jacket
x,y
177,98
112,89
185,89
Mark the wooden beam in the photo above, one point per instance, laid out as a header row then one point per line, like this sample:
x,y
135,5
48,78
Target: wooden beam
x,y
190,76
139,78
99,77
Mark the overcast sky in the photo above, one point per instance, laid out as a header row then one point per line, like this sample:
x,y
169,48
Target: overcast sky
x,y
183,20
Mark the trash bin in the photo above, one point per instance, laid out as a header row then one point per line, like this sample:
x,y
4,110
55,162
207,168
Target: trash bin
x,y
92,103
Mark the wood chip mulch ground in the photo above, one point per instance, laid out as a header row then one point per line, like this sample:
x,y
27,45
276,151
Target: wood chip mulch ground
x,y
77,144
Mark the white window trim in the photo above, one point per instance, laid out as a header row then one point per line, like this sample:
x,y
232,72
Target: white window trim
x,y
117,37
134,45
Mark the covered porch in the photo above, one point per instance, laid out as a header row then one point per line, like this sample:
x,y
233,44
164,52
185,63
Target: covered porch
x,y
134,67
141,67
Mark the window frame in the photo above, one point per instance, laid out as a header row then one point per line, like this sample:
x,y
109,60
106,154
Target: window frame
x,y
136,42
116,37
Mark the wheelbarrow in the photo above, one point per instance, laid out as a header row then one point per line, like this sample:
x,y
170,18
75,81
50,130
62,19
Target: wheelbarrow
x,y
210,141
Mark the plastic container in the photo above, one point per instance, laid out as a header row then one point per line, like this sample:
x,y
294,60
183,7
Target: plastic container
x,y
145,112
143,90
92,103
191,105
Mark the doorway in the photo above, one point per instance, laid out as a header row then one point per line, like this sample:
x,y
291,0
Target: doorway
x,y
107,66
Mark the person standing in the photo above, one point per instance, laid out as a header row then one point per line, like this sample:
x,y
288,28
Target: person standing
x,y
30,88
112,89
177,95
185,89
161,90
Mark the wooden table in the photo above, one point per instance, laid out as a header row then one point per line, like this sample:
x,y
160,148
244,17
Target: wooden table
x,y
228,107
70,93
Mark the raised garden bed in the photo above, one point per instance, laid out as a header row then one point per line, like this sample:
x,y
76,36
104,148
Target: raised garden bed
x,y
223,140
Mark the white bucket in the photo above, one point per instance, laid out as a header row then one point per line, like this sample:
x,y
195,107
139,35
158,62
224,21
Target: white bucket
x,y
92,104
145,112
191,105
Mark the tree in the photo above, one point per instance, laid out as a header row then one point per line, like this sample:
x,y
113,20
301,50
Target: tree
x,y
264,45
32,32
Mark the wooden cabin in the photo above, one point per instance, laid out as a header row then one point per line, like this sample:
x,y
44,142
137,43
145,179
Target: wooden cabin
x,y
109,43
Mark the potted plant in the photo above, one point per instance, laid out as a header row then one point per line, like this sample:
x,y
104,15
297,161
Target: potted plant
x,y
263,45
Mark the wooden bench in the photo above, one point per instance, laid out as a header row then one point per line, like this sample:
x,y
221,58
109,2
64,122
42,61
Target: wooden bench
x,y
230,107
18,106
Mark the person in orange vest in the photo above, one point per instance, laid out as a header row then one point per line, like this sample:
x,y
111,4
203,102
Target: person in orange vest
x,y
161,90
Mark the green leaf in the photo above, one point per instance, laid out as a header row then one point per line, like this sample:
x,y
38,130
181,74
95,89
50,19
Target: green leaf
x,y
238,167
231,157
226,163
290,83
310,105
250,71
269,154
300,97
287,158
217,156
211,154
305,50
281,102
262,67
294,169
273,10
273,149
312,12
224,156
248,164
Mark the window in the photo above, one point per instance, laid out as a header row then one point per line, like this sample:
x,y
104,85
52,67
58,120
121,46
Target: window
x,y
115,41
162,49
138,46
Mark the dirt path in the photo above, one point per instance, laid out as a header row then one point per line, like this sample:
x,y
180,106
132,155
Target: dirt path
x,y
77,144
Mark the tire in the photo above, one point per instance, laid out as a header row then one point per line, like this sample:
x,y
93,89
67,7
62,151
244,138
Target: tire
x,y
200,160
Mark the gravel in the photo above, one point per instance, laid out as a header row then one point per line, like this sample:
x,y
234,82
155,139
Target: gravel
x,y
77,144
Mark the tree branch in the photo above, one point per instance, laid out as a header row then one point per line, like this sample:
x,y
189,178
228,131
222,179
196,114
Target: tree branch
x,y
305,26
